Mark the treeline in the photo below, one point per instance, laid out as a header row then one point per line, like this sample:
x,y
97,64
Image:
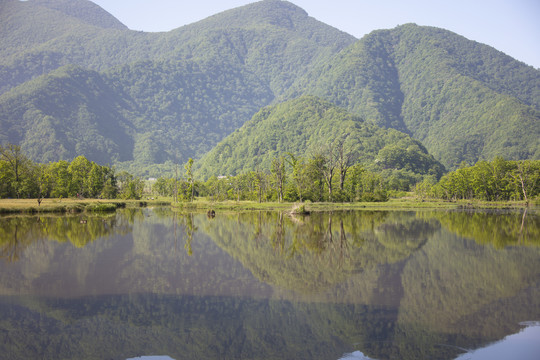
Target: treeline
x,y
22,178
329,176
497,180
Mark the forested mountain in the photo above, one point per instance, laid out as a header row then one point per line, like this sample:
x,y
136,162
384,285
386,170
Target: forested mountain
x,y
465,101
75,81
180,92
68,111
308,126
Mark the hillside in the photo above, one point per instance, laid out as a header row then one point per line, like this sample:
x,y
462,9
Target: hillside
x,y
181,92
174,95
69,111
465,101
274,39
304,126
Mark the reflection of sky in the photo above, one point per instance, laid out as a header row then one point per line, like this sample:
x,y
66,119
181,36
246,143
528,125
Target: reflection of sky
x,y
524,345
357,355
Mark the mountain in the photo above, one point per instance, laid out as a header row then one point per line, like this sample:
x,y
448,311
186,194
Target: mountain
x,y
304,126
179,92
174,95
274,39
465,101
68,111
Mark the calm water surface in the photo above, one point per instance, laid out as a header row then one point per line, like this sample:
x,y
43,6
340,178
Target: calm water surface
x,y
152,284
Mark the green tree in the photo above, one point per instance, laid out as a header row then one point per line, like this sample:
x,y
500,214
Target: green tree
x,y
79,169
60,178
190,178
18,165
130,187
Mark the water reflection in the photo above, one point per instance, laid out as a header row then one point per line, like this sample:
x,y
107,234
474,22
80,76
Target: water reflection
x,y
524,345
320,251
384,284
497,228
19,232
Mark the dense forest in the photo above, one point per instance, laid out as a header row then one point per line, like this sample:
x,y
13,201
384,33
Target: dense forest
x,y
22,178
497,180
75,81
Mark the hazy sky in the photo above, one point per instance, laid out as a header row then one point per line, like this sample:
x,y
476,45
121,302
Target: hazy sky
x,y
511,26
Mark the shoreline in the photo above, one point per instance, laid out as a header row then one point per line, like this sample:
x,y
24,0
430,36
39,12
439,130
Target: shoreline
x,y
70,206
29,206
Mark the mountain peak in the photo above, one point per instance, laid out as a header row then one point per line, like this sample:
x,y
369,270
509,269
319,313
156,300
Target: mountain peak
x,y
83,10
273,12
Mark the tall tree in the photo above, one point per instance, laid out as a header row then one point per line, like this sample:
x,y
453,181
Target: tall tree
x,y
190,178
79,169
329,167
279,175
345,159
18,164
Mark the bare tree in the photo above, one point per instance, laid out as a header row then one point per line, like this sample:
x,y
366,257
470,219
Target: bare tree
x,y
279,175
345,159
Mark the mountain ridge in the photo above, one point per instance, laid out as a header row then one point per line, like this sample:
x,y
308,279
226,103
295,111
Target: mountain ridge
x,y
181,92
408,79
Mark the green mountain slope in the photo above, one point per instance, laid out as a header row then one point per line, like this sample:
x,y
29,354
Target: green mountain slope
x,y
68,112
465,101
302,127
182,109
272,38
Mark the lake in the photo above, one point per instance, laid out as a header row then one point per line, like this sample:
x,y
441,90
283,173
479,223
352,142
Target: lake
x,y
154,284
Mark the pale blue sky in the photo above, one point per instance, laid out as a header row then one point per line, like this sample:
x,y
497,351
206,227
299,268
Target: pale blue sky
x,y
511,26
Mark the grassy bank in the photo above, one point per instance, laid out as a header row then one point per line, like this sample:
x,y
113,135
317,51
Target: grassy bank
x,y
8,206
30,206
398,203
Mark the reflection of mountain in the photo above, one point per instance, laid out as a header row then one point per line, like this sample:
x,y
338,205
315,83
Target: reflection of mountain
x,y
397,285
454,286
147,256
323,250
183,327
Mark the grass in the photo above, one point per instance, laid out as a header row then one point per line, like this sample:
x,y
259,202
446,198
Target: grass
x,y
69,205
204,204
397,203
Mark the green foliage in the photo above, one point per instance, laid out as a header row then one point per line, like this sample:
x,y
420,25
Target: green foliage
x,y
130,187
64,114
79,178
493,181
326,134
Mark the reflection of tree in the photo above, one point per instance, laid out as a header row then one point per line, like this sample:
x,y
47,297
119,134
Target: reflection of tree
x,y
314,254
190,230
15,237
500,229
19,232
